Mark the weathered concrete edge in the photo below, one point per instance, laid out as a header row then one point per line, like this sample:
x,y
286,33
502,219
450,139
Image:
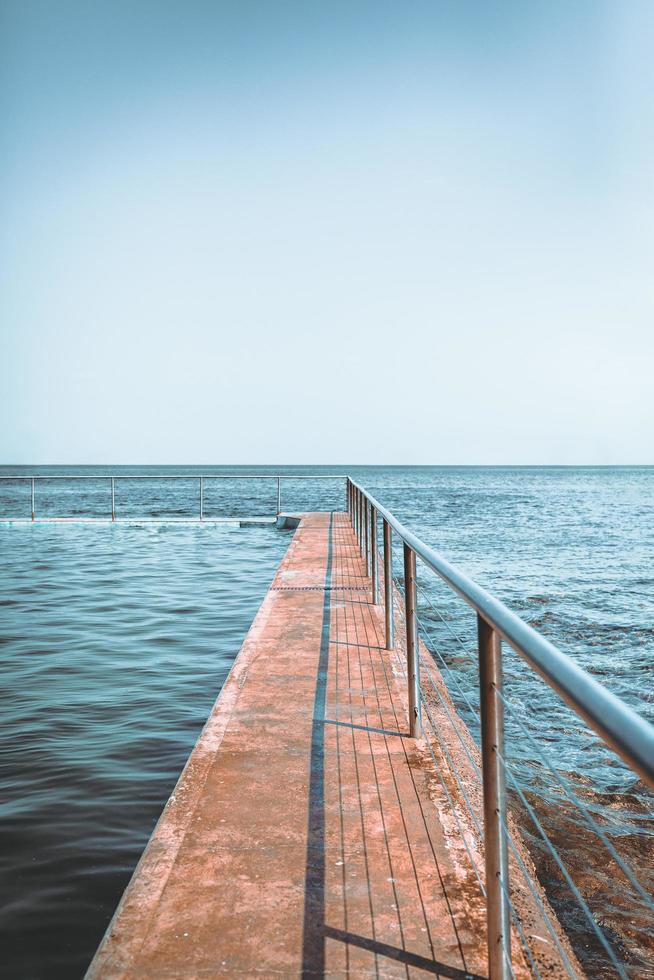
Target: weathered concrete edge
x,y
288,522
115,954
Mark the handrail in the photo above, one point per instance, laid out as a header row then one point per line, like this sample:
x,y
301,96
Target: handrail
x,y
199,478
172,476
620,727
625,731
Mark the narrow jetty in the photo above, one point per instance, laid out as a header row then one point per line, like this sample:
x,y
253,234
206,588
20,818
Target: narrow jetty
x,y
308,834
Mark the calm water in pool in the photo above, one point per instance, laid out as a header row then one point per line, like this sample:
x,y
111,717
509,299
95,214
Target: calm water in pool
x,y
116,640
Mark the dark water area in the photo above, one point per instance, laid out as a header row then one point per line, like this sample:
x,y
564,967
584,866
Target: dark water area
x,y
115,643
116,640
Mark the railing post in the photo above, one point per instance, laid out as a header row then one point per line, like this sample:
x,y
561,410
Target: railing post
x,y
113,499
201,498
33,505
356,514
374,556
411,616
359,523
279,495
495,814
366,533
388,585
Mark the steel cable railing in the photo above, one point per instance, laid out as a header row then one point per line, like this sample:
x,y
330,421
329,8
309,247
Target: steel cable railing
x,y
471,811
548,843
629,735
569,794
514,914
434,686
525,733
562,868
620,728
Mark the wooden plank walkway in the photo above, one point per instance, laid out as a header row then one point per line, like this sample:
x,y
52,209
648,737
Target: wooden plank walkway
x,y
302,838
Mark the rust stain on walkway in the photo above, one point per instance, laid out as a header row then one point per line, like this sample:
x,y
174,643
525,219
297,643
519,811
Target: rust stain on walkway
x,y
303,837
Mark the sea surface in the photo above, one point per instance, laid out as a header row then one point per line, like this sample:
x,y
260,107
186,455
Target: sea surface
x,y
116,639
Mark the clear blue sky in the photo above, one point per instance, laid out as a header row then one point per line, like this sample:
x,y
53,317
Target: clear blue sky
x,y
319,232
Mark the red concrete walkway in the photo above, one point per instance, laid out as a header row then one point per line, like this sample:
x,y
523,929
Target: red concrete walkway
x,y
303,838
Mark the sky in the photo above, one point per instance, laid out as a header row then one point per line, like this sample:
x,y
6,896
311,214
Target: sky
x,y
310,232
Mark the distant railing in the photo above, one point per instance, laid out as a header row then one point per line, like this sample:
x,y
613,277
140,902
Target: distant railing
x,y
621,728
198,479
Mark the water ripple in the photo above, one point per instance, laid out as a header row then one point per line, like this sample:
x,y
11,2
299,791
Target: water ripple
x,y
115,644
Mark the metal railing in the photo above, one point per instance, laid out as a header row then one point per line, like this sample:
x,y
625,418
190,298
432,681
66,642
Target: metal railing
x,y
620,728
197,479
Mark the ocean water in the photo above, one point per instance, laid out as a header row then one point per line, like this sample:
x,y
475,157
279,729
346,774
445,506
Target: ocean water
x,y
116,640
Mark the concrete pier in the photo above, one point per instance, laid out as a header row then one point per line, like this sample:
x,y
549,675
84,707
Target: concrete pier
x,y
308,834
